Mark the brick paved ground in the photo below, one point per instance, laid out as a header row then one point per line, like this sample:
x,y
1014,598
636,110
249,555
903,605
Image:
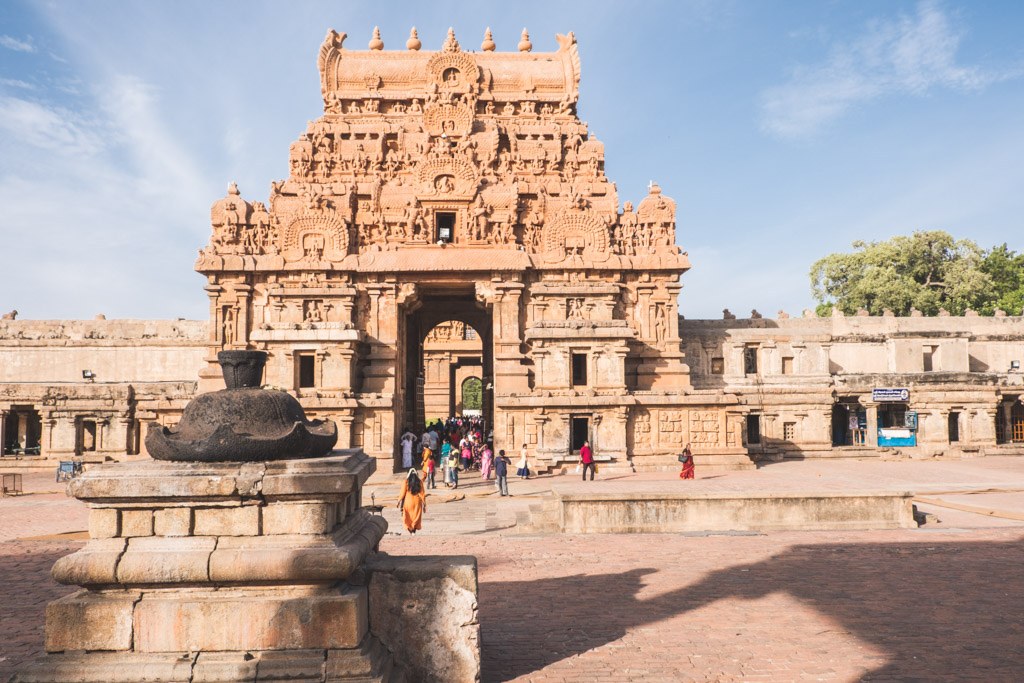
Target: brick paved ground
x,y
945,602
893,605
25,588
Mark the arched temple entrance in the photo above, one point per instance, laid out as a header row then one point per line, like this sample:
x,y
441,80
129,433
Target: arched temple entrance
x,y
446,330
452,353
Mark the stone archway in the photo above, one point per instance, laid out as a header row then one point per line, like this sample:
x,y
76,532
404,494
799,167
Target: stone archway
x,y
431,308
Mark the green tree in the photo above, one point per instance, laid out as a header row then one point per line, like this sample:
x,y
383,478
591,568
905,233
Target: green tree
x,y
928,270
472,394
1006,270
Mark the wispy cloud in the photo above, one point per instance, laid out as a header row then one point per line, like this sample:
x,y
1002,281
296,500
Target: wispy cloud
x,y
12,43
47,128
910,55
17,83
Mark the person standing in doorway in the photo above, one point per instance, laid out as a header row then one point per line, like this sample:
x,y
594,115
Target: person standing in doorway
x,y
408,441
587,460
501,473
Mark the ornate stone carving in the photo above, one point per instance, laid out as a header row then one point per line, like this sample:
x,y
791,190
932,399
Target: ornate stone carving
x,y
315,236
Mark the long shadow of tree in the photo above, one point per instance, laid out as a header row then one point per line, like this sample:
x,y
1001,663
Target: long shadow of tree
x,y
946,611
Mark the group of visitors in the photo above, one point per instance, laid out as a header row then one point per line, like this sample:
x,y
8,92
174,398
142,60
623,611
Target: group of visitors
x,y
453,446
458,445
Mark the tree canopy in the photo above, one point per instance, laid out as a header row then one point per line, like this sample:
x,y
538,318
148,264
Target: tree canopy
x,y
927,271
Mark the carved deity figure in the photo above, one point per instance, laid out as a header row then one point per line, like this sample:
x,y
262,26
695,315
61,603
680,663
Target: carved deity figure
x,y
229,326
314,312
660,323
574,309
478,220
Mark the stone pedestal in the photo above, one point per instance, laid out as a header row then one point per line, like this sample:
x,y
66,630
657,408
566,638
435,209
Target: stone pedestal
x,y
218,572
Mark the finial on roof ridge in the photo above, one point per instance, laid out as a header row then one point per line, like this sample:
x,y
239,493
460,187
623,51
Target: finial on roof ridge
x,y
233,188
524,42
375,42
488,44
450,44
414,40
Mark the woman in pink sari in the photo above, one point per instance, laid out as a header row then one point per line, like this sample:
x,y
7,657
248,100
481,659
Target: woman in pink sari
x,y
486,460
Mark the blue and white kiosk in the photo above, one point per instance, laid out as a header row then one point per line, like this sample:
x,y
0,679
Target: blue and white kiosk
x,y
897,425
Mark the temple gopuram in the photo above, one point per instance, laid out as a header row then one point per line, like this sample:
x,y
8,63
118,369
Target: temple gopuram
x,y
446,243
462,186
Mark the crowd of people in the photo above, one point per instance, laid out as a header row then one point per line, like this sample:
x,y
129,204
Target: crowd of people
x,y
464,444
450,447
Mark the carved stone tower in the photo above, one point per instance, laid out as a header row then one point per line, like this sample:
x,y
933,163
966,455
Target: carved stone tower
x,y
462,186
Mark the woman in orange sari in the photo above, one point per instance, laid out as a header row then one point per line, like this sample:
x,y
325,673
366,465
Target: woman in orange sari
x,y
412,502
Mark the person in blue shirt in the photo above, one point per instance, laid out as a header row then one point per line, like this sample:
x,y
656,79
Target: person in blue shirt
x,y
501,472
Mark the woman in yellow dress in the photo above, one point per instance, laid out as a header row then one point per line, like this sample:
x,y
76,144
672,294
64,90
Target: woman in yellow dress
x,y
412,502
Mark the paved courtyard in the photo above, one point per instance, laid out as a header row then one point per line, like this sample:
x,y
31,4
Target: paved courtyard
x,y
943,602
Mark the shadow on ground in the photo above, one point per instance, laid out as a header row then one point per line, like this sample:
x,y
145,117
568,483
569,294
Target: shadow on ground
x,y
25,588
940,611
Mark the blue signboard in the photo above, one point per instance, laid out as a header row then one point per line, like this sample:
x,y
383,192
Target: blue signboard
x,y
890,395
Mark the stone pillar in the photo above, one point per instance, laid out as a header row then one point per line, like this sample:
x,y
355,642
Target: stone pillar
x,y
872,428
22,430
3,432
218,571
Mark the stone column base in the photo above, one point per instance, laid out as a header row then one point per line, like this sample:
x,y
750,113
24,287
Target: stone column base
x,y
368,663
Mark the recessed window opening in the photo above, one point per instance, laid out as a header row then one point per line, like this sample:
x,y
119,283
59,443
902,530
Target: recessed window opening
x,y
579,369
445,225
307,370
750,360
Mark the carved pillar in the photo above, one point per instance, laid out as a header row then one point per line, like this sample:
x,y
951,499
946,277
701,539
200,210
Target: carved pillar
x,y
345,422
3,432
243,293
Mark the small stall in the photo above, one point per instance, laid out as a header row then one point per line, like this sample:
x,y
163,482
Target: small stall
x,y
897,425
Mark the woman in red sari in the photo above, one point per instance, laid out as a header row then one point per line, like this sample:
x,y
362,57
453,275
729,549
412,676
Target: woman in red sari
x,y
687,460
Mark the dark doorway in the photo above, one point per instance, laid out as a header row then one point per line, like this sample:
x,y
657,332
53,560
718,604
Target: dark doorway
x,y
1017,422
580,432
23,431
753,429
840,425
954,427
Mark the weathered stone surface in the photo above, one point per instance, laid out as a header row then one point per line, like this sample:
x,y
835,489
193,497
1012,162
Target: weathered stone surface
x,y
136,523
425,608
173,521
104,523
241,520
293,665
108,667
250,619
220,667
299,518
297,558
158,560
90,621
94,565
635,512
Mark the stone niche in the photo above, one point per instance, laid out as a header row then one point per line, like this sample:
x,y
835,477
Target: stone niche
x,y
229,572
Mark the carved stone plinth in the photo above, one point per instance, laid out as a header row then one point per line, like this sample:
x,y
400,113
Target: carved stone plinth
x,y
218,572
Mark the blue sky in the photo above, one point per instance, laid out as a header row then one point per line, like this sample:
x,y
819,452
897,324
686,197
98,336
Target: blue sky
x,y
784,130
